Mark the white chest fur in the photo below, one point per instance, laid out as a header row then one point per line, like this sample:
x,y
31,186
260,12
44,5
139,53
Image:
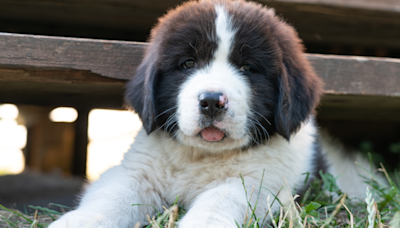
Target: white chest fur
x,y
185,171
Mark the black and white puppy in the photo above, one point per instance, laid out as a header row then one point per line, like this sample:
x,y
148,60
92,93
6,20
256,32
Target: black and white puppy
x,y
224,89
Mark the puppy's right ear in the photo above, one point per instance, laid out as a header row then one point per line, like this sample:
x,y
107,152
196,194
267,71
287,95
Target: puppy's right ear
x,y
139,91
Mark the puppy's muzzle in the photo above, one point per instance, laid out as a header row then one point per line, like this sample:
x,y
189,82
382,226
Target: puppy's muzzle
x,y
213,104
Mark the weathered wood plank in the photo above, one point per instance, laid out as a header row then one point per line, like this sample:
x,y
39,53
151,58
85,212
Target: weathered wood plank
x,y
358,75
384,5
343,23
68,71
116,59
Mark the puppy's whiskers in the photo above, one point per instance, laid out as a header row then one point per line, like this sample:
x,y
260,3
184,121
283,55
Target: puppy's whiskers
x,y
174,136
254,111
171,119
255,122
172,127
252,128
165,112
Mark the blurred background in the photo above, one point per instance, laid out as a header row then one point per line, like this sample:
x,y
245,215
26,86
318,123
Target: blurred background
x,y
42,148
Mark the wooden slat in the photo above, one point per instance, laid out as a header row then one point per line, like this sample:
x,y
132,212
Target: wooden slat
x,y
358,75
366,23
384,5
64,71
358,23
115,59
76,72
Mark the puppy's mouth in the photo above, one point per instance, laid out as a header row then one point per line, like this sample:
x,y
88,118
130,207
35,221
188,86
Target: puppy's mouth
x,y
212,134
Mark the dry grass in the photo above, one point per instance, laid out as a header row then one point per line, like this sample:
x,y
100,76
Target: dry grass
x,y
12,219
323,205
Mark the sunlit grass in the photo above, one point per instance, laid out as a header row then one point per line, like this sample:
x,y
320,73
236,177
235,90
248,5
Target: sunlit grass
x,y
323,205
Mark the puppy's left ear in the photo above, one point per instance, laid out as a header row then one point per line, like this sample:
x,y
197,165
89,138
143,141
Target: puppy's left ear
x,y
299,87
139,93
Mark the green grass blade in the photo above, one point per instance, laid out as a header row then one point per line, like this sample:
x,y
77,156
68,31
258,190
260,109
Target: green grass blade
x,y
47,211
176,200
237,224
33,224
59,205
9,222
307,176
50,211
258,197
20,215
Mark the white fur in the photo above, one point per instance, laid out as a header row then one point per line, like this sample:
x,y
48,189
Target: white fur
x,y
218,76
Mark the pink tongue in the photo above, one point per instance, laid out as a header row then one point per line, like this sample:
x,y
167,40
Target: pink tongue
x,y
212,134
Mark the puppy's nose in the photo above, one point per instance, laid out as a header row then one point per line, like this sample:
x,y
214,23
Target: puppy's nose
x,y
212,103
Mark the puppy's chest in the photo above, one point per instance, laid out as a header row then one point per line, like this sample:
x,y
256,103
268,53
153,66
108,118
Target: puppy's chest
x,y
189,179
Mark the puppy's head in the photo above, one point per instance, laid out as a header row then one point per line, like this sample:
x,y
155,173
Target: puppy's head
x,y
223,75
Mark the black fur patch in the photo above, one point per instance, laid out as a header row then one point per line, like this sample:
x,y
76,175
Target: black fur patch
x,y
320,164
319,159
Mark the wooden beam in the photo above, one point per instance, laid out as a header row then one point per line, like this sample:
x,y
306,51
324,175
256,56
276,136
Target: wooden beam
x,y
84,72
81,143
115,59
65,71
358,75
384,5
370,23
359,23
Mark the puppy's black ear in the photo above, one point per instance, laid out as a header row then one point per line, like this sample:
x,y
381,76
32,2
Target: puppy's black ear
x,y
139,93
299,87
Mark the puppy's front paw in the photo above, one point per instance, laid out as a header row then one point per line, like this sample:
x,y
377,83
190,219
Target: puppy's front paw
x,y
82,219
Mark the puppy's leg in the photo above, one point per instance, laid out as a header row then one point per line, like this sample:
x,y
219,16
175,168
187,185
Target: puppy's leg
x,y
107,202
219,207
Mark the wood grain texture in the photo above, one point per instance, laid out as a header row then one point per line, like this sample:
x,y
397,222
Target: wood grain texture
x,y
91,73
116,59
358,75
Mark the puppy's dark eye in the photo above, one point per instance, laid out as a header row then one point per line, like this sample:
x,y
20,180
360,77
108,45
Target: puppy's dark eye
x,y
188,64
247,68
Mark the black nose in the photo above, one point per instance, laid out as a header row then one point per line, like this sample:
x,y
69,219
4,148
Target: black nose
x,y
212,103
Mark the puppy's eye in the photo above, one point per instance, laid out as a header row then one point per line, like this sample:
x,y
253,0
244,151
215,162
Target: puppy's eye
x,y
247,68
188,64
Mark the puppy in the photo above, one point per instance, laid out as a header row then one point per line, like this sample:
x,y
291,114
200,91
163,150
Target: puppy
x,y
224,90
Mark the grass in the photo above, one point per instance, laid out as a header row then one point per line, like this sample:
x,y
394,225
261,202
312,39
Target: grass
x,y
41,217
322,205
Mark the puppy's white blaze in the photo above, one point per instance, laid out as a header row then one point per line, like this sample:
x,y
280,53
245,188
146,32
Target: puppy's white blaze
x,y
225,35
220,75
